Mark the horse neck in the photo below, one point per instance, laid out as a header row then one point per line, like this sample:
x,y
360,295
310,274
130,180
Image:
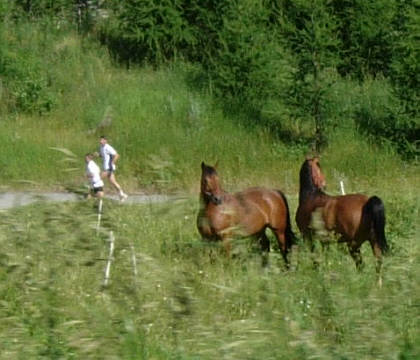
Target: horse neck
x,y
204,199
306,194
307,189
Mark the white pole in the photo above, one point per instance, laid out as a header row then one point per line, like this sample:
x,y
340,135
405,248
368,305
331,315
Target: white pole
x,y
98,224
342,187
110,258
133,259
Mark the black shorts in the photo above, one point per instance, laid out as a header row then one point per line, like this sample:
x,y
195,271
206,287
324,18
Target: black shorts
x,y
97,189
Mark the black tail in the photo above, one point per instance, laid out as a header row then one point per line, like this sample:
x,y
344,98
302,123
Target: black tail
x,y
375,211
290,236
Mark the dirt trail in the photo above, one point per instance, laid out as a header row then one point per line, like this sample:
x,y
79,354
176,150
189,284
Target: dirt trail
x,y
10,200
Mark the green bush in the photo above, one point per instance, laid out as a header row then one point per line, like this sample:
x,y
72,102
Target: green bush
x,y
380,115
310,29
247,65
365,29
147,31
25,78
405,75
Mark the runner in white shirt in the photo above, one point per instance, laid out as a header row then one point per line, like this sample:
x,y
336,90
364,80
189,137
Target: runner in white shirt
x,y
110,156
94,175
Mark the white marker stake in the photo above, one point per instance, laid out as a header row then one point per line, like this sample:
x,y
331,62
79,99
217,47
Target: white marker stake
x,y
342,187
98,225
110,258
133,259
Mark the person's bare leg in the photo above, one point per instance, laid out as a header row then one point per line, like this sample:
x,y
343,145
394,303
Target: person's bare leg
x,y
117,186
113,181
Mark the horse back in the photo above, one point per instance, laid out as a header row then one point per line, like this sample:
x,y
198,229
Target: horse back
x,y
267,200
343,214
244,213
262,205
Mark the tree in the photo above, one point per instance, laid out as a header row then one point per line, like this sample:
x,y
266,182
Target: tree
x,y
365,29
151,31
406,65
310,29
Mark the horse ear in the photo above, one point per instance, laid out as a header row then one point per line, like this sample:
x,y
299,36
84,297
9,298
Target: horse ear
x,y
312,156
203,165
309,156
217,164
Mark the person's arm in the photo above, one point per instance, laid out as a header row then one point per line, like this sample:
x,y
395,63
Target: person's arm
x,y
89,173
115,158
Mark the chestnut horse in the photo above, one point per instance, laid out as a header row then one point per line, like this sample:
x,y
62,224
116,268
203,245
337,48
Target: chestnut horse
x,y
355,217
223,216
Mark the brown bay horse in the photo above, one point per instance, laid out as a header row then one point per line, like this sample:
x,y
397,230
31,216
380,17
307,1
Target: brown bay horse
x,y
355,217
248,213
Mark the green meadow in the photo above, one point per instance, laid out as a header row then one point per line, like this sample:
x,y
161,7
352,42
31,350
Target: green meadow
x,y
171,295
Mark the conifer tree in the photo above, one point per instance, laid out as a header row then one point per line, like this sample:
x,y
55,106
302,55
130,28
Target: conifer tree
x,y
311,31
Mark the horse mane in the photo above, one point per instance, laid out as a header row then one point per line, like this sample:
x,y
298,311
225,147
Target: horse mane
x,y
307,185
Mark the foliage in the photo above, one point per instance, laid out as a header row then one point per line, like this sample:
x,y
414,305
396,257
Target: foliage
x,y
26,82
310,30
245,63
274,64
380,115
366,31
42,8
264,56
148,31
405,74
225,37
84,14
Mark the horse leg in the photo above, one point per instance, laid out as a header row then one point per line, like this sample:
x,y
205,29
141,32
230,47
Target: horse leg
x,y
325,246
356,255
378,254
227,245
265,247
281,240
308,238
309,241
264,241
341,246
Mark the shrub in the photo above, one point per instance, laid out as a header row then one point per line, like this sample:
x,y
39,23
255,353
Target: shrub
x,y
147,31
24,77
380,115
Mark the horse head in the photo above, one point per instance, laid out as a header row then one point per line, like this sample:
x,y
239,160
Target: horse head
x,y
311,178
318,177
210,186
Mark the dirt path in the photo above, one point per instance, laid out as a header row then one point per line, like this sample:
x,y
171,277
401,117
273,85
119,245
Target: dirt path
x,y
9,200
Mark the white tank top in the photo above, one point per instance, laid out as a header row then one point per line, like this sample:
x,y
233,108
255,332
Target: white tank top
x,y
107,153
94,174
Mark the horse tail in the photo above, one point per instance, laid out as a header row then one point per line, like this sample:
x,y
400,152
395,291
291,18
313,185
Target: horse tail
x,y
375,211
289,234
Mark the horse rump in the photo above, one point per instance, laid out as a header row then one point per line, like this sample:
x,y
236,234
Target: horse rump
x,y
374,215
289,234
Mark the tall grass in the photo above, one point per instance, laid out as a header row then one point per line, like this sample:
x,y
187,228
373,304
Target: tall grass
x,y
182,299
